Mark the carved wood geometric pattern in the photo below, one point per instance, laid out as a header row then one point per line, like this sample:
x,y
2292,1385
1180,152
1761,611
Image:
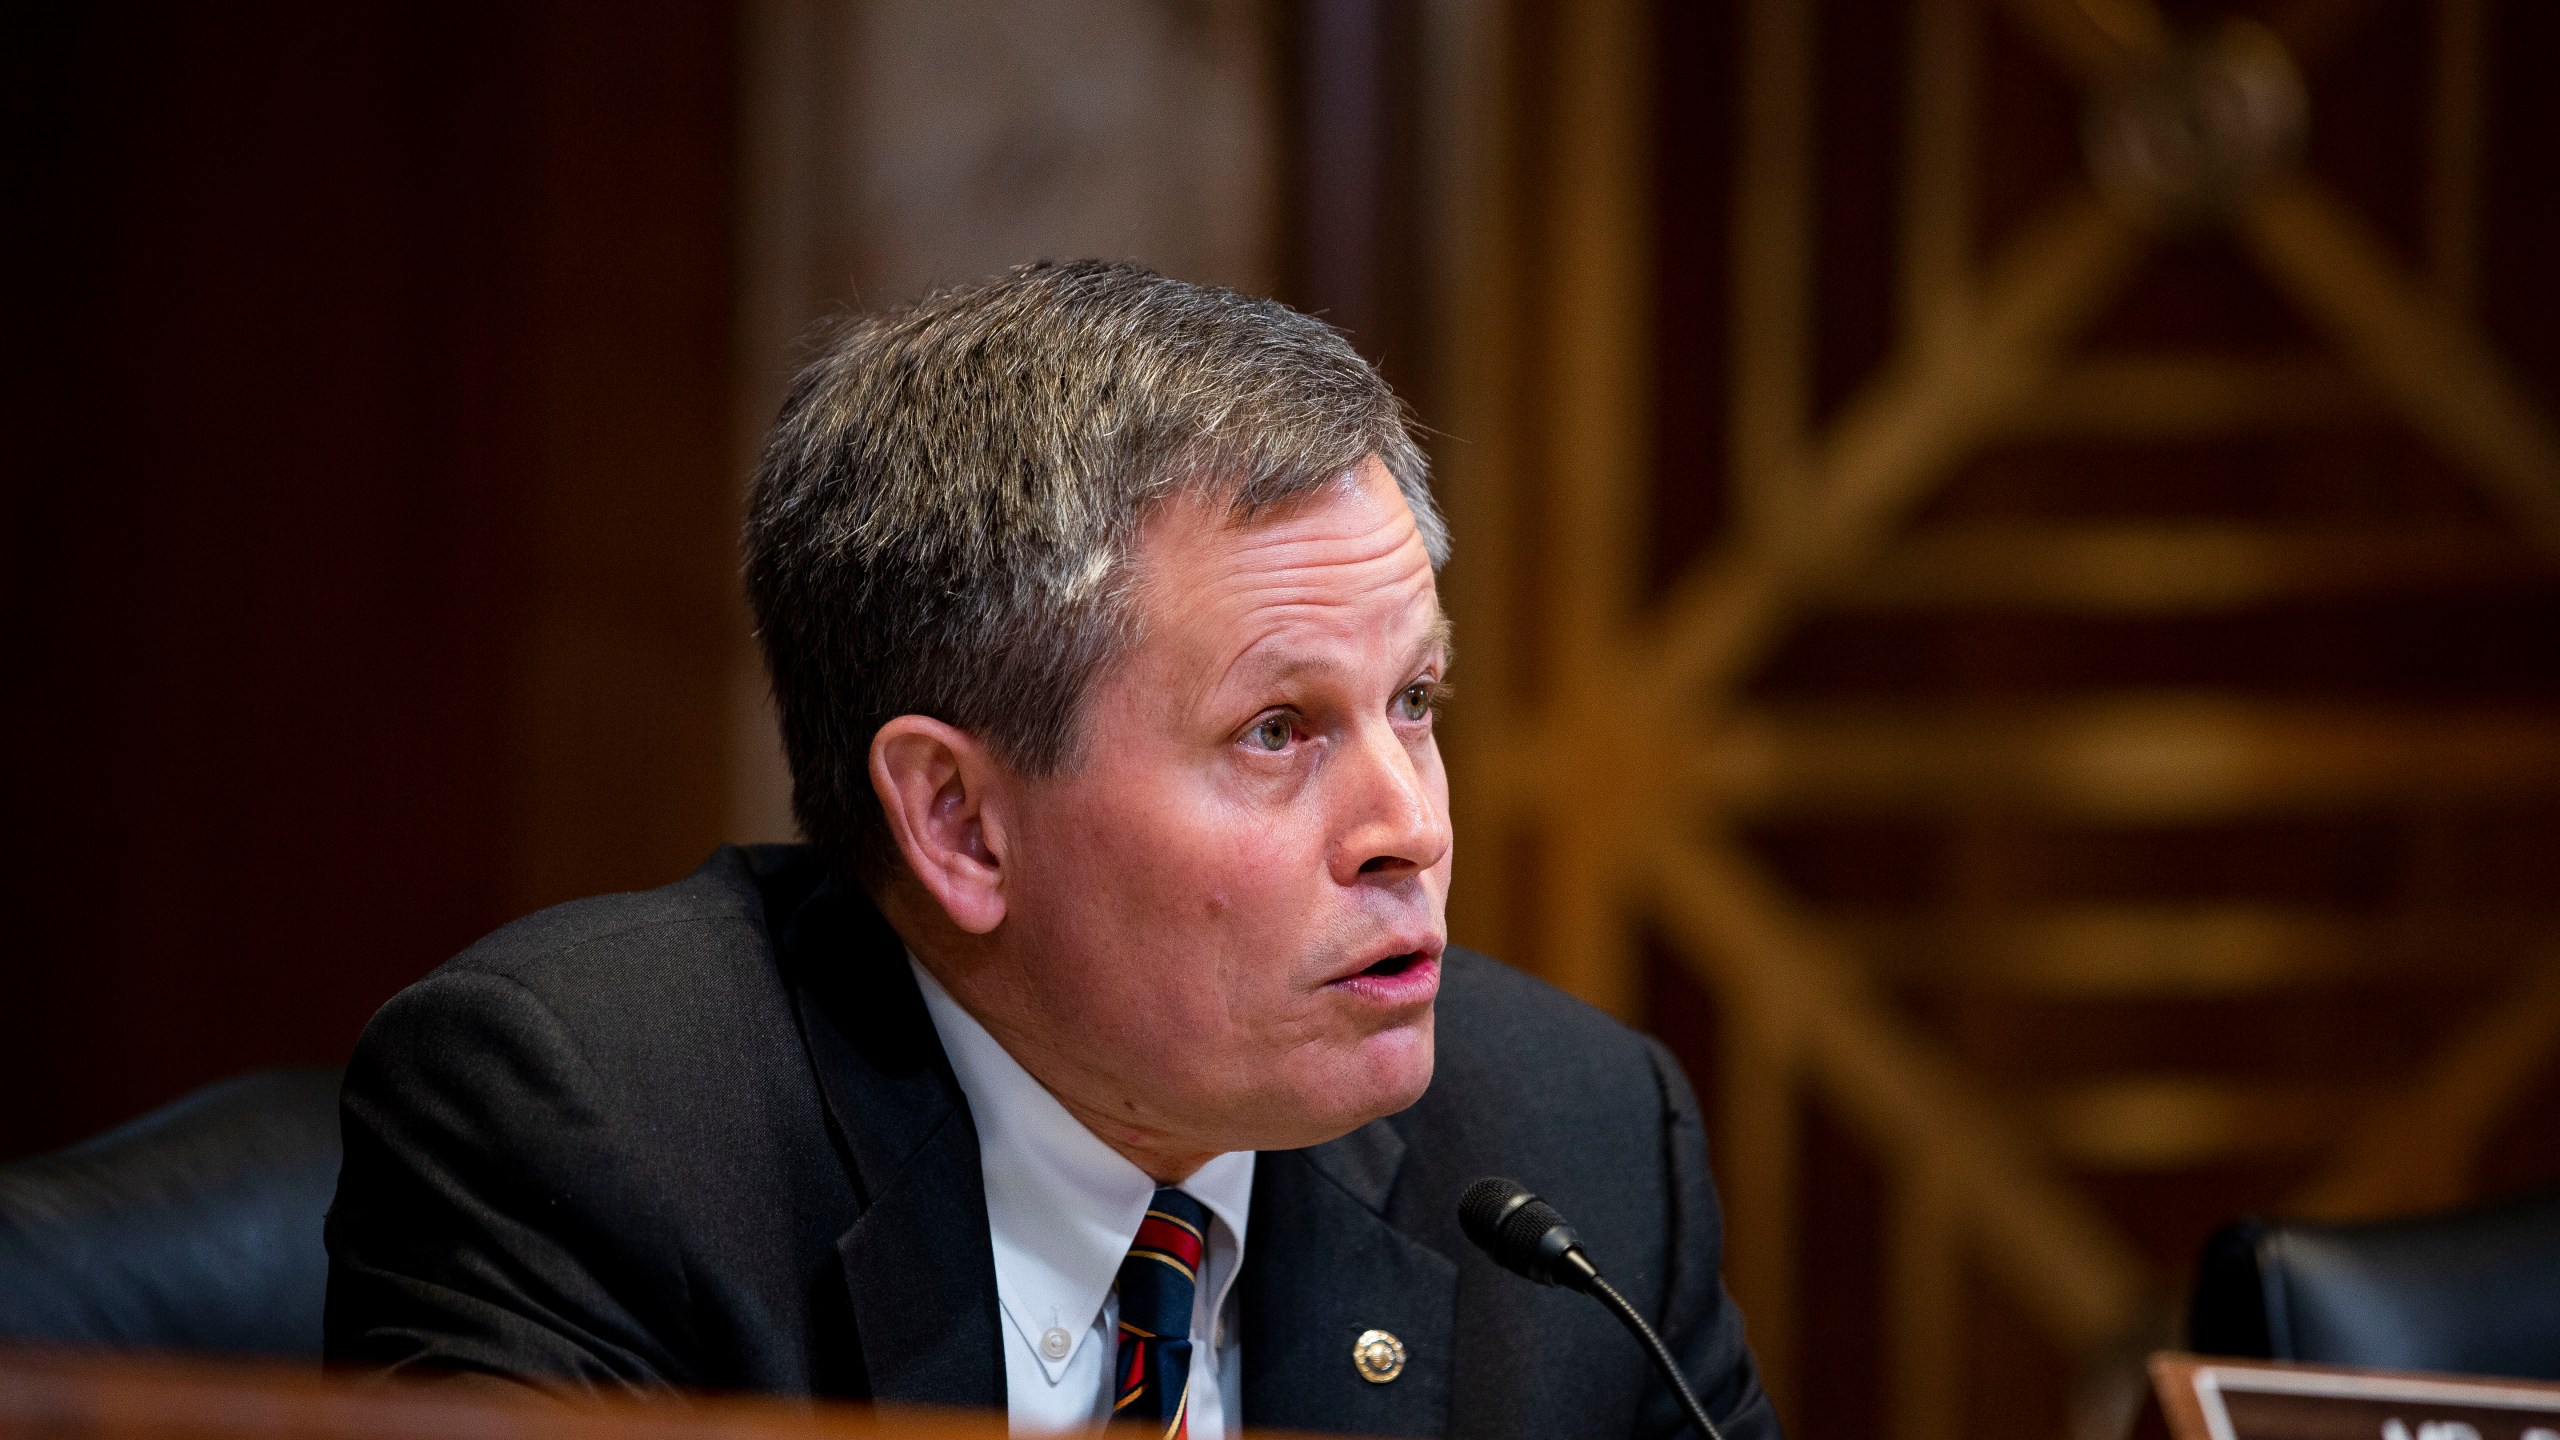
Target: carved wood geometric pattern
x,y
1614,760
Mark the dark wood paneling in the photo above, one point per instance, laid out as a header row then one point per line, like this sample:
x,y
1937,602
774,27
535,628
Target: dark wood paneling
x,y
382,353
1352,220
1861,89
1696,122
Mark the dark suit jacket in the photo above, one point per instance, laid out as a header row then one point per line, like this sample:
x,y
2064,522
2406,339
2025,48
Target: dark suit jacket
x,y
705,1136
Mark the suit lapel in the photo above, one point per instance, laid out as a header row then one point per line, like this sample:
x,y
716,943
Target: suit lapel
x,y
1323,1267
919,1271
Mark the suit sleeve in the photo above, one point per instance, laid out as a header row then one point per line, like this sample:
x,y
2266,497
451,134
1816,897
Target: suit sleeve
x,y
490,1220
1700,1323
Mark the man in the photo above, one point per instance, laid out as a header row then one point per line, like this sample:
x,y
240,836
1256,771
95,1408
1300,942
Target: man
x,y
1101,1054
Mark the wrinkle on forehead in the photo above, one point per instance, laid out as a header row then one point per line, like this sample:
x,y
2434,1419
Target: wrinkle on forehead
x,y
1304,635
1345,562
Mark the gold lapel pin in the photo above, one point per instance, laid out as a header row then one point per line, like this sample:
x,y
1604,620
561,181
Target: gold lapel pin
x,y
1378,1356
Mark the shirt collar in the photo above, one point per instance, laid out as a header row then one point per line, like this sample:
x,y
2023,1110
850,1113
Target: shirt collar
x,y
1062,1206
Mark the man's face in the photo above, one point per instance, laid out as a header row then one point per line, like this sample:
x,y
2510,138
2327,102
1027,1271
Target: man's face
x,y
1227,919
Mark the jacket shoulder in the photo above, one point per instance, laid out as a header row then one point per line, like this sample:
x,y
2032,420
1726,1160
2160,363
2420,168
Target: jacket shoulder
x,y
1506,1036
734,891
1531,1083
667,1007
555,1136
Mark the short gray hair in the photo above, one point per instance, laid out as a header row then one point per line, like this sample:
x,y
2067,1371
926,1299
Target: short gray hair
x,y
942,521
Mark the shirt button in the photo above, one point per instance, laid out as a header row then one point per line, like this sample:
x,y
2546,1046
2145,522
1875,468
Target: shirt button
x,y
1055,1342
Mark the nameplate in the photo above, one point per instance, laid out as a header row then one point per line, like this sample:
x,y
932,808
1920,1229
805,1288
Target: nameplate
x,y
2217,1400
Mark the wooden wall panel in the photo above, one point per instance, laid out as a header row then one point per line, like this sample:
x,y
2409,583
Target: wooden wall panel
x,y
369,512
2087,756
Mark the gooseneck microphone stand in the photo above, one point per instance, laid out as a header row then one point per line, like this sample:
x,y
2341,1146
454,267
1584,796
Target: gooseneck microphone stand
x,y
1530,1238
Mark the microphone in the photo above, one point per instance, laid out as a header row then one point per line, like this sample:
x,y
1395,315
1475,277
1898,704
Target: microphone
x,y
1528,1237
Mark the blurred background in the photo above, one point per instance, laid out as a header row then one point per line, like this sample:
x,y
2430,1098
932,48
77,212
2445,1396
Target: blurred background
x,y
2008,550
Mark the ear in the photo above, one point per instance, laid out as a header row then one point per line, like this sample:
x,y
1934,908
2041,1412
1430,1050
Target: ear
x,y
940,790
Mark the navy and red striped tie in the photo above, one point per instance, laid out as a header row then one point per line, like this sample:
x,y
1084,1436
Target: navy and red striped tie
x,y
1157,1282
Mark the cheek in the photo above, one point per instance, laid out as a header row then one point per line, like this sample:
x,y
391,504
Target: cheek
x,y
1125,867
1244,914
1190,913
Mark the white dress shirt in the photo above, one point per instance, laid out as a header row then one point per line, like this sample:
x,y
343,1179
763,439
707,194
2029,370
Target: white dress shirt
x,y
1062,1208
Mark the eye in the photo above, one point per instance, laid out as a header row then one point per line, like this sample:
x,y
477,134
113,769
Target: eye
x,y
1271,733
1414,703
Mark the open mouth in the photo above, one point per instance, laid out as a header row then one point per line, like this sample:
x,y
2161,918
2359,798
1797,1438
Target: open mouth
x,y
1399,981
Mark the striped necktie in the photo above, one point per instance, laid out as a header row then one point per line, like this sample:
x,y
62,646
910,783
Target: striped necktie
x,y
1156,1286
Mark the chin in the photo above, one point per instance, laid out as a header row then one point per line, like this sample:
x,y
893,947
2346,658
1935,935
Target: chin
x,y
1402,1059
1387,1072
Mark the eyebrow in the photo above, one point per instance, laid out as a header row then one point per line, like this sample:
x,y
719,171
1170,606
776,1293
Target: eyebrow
x,y
1442,638
1437,638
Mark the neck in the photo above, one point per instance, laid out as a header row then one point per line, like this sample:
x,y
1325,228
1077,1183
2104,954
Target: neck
x,y
1097,1101
1166,1162
956,961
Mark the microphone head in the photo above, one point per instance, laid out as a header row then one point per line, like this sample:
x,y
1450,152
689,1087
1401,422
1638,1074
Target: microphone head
x,y
1522,1232
1484,1207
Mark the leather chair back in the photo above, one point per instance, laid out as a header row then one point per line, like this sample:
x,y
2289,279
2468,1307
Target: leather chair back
x,y
196,1227
2474,1291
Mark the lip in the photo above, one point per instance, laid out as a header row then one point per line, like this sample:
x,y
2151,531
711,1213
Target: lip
x,y
1414,983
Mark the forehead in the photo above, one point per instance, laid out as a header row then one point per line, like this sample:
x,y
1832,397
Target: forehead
x,y
1344,563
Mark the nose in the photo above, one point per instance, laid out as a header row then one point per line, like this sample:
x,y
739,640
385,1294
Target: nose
x,y
1395,812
